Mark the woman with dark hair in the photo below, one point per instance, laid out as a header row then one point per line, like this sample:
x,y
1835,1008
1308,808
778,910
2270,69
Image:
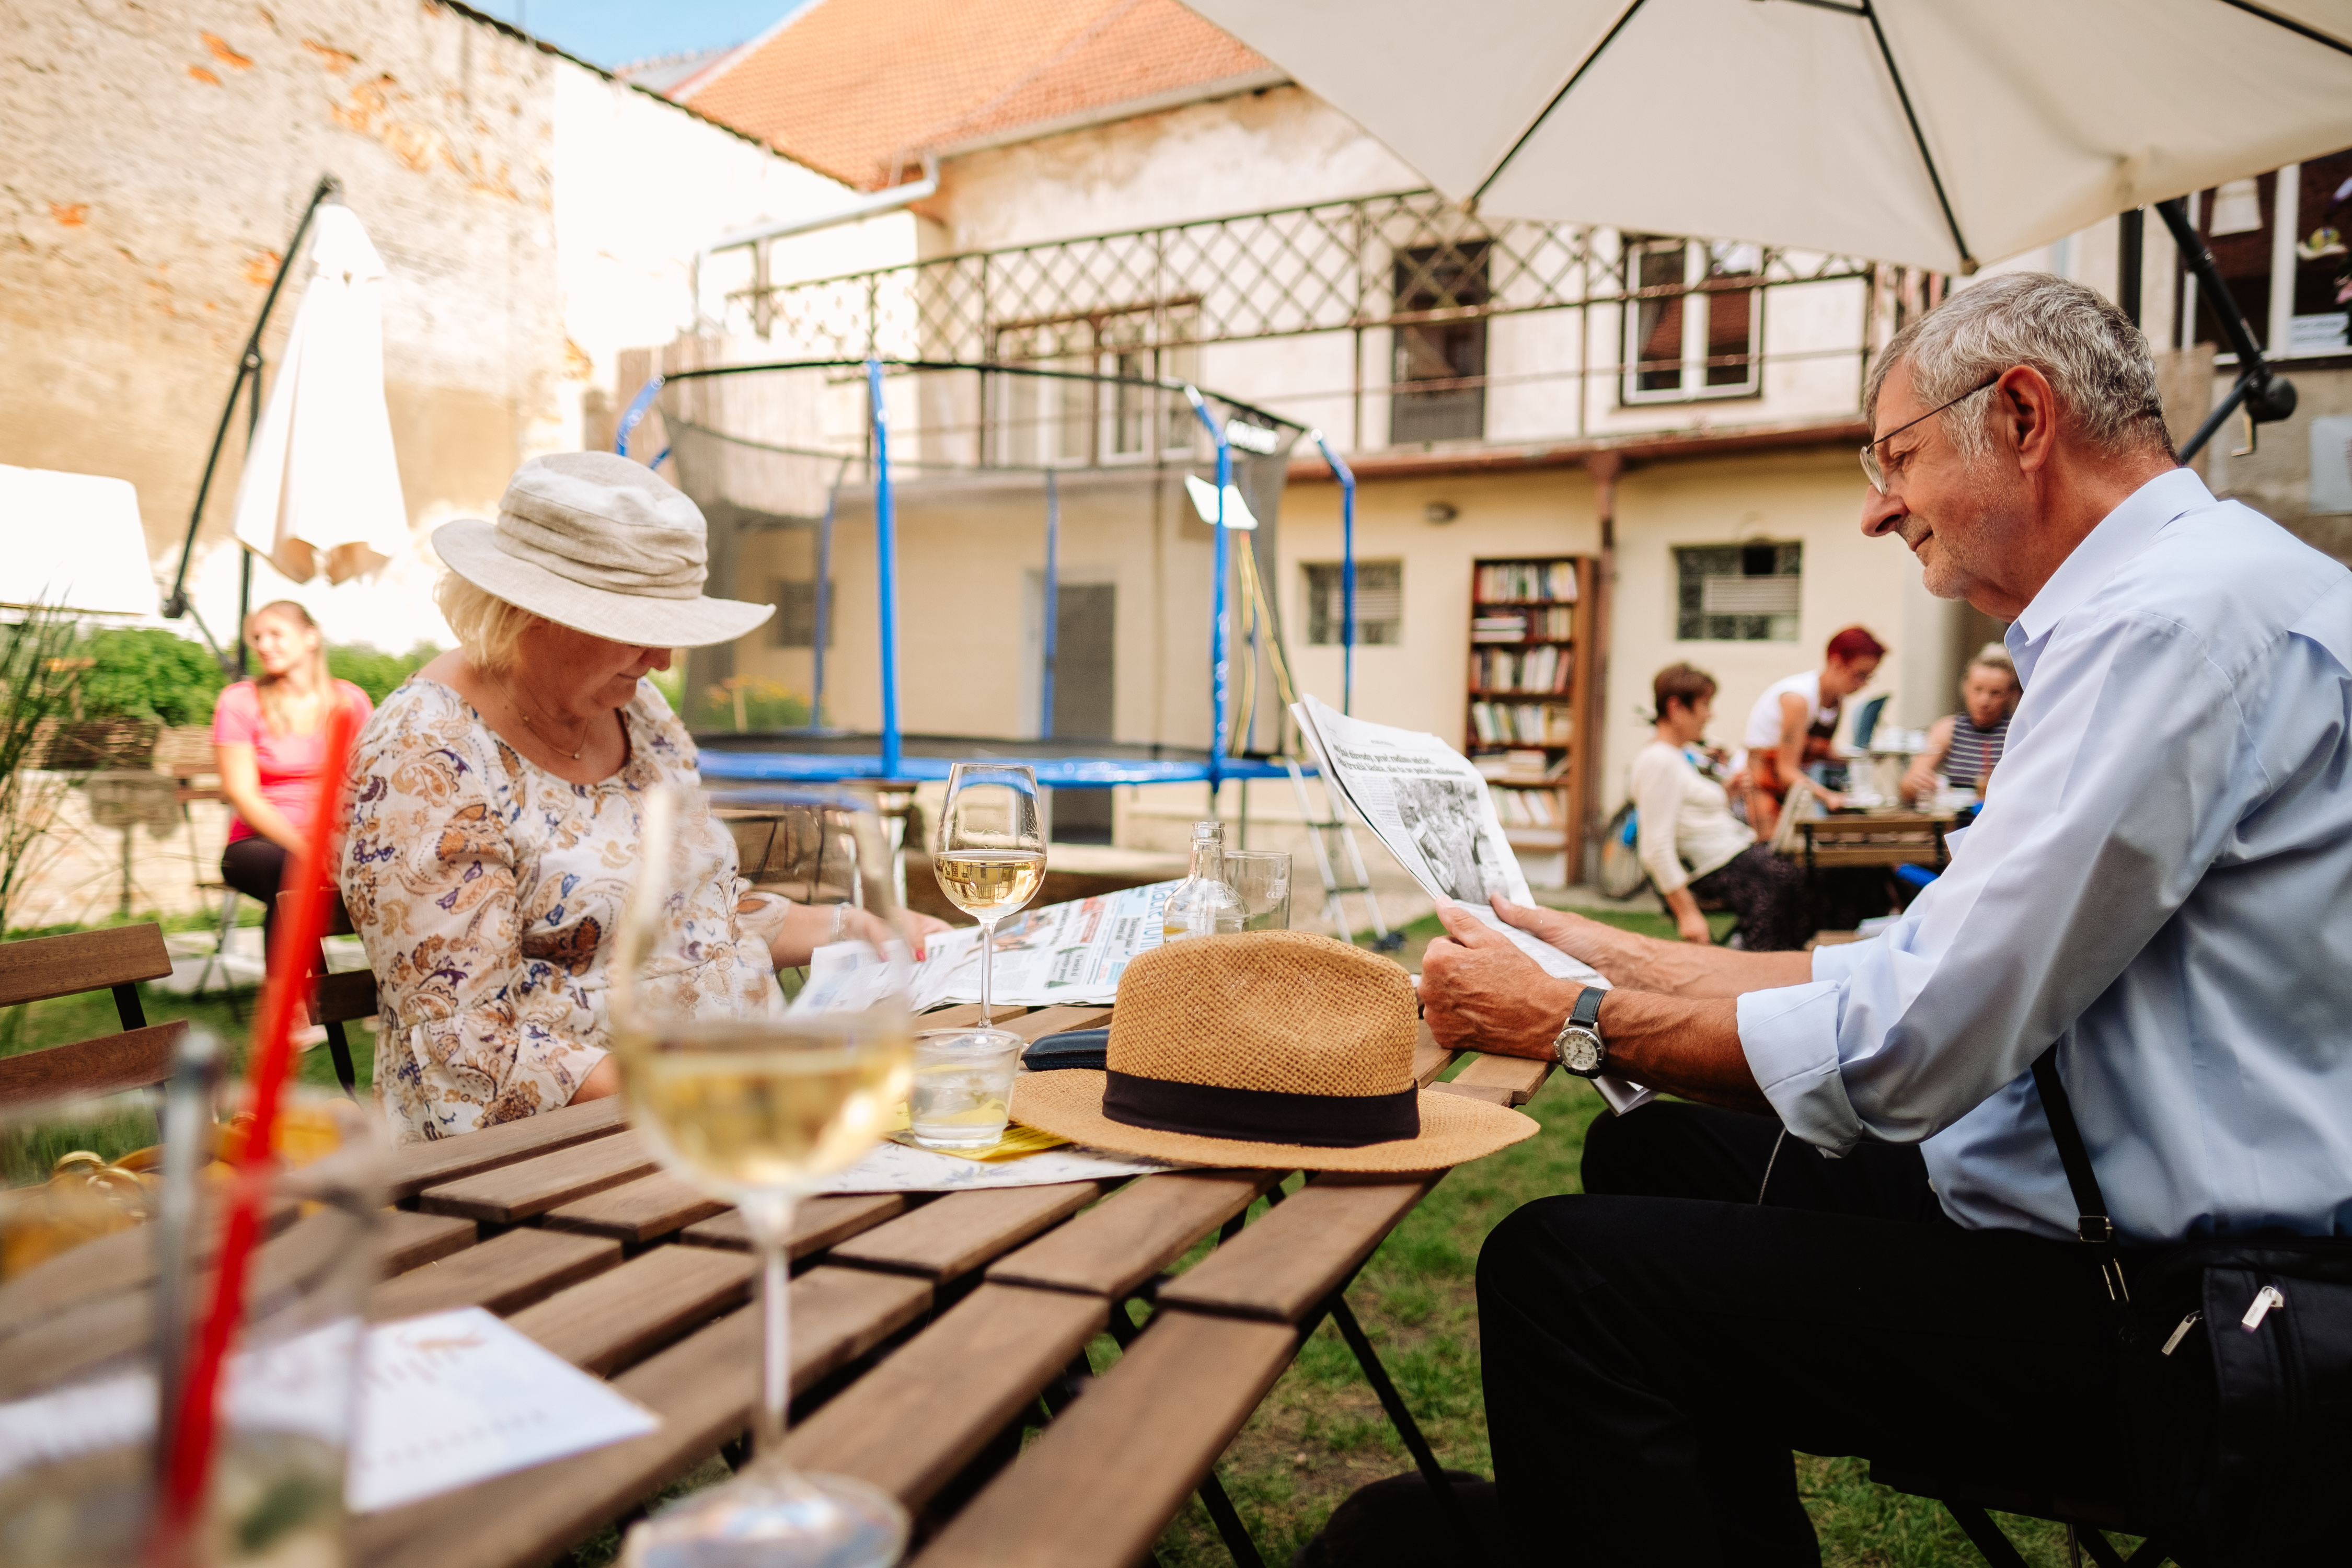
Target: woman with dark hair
x,y
270,747
1691,845
1793,721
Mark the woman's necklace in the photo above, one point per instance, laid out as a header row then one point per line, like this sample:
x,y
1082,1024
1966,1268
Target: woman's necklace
x,y
524,714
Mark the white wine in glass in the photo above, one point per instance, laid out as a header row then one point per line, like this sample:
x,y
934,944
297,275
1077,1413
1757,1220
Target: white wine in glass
x,y
753,1103
991,856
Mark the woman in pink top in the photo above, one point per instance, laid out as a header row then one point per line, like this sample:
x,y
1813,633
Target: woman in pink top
x,y
266,737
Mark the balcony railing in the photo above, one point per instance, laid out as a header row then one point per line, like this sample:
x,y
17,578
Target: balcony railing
x,y
1152,297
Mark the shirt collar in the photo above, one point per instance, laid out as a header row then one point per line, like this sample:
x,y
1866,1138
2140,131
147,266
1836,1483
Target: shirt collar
x,y
2119,536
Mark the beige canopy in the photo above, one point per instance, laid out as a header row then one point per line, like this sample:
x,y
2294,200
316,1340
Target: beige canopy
x,y
1926,131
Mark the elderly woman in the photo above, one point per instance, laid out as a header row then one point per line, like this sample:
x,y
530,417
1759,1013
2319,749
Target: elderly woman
x,y
1963,747
1691,845
496,796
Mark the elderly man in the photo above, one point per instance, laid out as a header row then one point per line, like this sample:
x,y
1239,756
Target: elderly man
x,y
1868,1252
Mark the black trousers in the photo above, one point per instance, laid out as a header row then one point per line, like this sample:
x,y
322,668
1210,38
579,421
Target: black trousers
x,y
1653,1349
255,866
1767,893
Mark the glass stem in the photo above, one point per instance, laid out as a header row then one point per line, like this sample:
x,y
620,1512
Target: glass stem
x,y
987,970
769,1220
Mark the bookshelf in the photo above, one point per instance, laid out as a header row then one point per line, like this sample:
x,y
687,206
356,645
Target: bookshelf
x,y
1530,689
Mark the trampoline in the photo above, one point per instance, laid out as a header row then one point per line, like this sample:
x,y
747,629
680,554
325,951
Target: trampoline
x,y
1058,567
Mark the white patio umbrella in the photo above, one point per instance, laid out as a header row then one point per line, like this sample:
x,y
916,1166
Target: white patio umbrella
x,y
321,488
1944,134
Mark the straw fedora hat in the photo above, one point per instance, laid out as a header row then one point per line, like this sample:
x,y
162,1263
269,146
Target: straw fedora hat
x,y
601,544
1277,1049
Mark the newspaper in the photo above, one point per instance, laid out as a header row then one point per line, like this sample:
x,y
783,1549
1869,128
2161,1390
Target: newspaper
x,y
1068,954
1431,809
1071,954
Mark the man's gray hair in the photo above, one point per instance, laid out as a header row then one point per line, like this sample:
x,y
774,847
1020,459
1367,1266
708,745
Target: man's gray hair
x,y
2093,357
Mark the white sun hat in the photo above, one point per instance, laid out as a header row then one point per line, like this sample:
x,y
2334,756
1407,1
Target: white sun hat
x,y
604,545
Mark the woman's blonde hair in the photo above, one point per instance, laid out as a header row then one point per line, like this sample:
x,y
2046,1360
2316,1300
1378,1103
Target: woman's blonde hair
x,y
1992,656
275,693
489,629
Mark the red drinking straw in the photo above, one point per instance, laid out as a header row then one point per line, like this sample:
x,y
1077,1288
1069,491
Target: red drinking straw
x,y
289,983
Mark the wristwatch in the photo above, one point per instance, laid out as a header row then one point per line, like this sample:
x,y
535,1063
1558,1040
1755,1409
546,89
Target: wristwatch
x,y
1577,1047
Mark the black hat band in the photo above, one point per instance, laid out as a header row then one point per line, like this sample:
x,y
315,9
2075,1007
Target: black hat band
x,y
1261,1115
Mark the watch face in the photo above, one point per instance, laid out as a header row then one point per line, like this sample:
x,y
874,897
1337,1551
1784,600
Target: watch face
x,y
1579,1051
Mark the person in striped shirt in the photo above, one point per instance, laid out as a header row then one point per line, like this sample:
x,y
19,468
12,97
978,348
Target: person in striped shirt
x,y
1963,747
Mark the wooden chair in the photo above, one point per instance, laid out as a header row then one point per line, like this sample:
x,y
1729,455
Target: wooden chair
x,y
115,959
337,999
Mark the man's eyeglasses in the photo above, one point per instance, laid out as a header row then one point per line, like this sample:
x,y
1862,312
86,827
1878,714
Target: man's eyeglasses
x,y
1870,453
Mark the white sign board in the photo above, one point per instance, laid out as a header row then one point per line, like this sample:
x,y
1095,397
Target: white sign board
x,y
73,538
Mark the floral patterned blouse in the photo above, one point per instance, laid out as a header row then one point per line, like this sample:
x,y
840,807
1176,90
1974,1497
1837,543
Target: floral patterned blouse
x,y
488,891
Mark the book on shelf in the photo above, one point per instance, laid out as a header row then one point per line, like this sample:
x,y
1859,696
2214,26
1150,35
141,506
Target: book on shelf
x,y
1525,768
1525,808
1521,723
1517,582
1499,629
1538,669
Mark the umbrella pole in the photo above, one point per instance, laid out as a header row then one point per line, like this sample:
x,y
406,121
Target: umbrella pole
x,y
2267,396
176,603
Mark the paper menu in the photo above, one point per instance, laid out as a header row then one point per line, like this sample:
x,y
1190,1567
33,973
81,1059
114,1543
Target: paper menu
x,y
445,1401
458,1397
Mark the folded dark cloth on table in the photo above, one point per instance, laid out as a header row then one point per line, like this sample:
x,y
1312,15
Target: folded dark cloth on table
x,y
1070,1049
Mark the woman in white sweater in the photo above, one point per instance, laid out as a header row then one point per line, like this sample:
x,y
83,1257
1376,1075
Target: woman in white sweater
x,y
1691,845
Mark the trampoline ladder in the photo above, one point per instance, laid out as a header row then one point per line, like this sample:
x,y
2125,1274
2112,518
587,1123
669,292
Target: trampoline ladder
x,y
1335,843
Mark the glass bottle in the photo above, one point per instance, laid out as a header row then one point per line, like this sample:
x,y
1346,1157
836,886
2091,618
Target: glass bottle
x,y
1202,904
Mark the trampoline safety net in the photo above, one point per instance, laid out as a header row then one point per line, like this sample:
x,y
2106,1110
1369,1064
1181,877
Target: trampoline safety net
x,y
1033,542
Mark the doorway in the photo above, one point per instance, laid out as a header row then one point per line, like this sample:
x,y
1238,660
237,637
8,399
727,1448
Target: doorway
x,y
1086,698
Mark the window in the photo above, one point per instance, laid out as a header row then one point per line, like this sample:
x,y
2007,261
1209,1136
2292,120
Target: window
x,y
1738,592
2279,240
1380,603
795,621
1447,353
1696,328
1049,421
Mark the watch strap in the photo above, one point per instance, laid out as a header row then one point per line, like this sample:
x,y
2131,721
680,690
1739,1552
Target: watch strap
x,y
1586,1013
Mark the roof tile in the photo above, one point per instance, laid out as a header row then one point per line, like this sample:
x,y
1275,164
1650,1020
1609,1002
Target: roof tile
x,y
862,88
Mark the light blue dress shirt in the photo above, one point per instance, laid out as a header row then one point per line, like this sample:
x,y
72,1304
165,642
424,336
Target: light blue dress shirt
x,y
2160,882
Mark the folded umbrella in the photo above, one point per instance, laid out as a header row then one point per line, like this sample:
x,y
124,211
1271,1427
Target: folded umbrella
x,y
321,487
1940,135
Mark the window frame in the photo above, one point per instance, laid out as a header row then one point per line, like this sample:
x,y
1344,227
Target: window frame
x,y
1332,618
1101,415
1786,553
1698,303
2284,221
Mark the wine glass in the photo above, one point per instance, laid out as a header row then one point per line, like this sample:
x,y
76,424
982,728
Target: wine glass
x,y
990,858
754,1100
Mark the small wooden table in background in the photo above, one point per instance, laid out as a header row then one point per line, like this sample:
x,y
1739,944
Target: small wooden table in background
x,y
1875,838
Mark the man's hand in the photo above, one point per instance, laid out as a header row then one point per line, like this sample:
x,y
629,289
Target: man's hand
x,y
1479,993
1606,948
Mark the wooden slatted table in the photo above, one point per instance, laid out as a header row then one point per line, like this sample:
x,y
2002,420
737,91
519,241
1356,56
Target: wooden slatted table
x,y
926,1330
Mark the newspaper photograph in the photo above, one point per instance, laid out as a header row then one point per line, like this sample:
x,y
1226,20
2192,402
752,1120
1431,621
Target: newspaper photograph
x,y
1430,808
1422,800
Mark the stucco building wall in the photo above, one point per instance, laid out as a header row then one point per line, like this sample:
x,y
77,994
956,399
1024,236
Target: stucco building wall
x,y
534,217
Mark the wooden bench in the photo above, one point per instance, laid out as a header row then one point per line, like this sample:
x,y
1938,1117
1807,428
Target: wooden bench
x,y
116,958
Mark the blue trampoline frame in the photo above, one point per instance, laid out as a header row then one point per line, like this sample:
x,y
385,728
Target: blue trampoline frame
x,y
1059,772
